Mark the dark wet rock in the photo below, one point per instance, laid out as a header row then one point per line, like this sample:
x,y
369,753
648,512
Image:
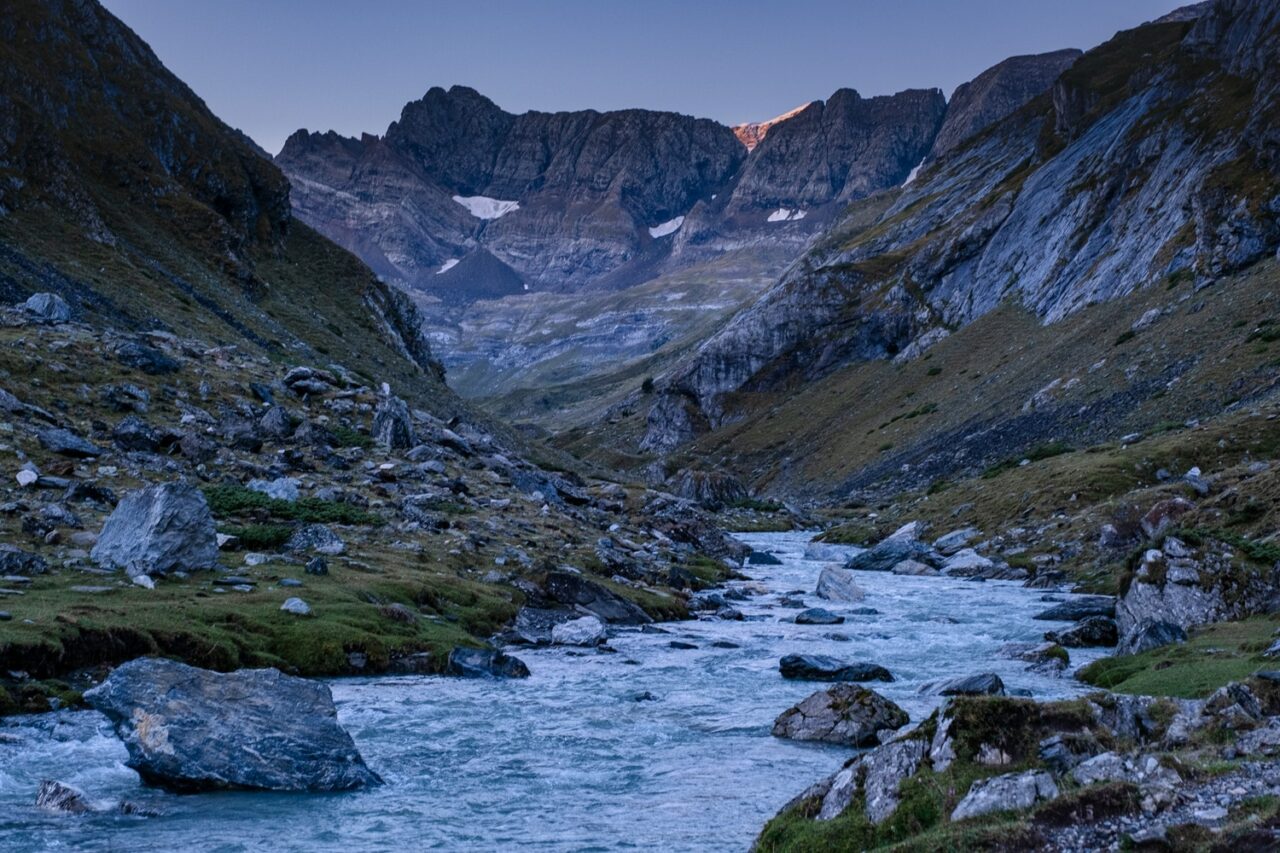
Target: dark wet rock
x,y
276,424
15,561
89,491
681,644
883,556
1076,609
846,714
837,584
576,591
982,684
47,308
534,624
149,360
135,434
762,558
190,729
725,644
196,447
818,616
315,538
392,424
67,443
823,668
484,663
1094,631
157,530
55,796
1151,635
317,566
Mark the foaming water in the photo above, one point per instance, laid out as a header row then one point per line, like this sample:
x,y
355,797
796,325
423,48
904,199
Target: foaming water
x,y
572,758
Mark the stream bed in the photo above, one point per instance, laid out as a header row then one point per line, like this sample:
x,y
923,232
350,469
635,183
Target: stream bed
x,y
652,748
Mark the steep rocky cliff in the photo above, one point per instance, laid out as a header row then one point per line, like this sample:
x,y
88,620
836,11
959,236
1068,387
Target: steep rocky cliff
x,y
1152,160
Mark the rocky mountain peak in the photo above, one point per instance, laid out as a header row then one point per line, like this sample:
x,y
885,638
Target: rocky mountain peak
x,y
752,134
997,92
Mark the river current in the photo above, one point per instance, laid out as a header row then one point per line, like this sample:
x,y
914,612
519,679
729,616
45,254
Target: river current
x,y
652,748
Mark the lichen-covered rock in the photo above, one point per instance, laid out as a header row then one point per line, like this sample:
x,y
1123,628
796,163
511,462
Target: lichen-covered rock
x,y
190,729
158,530
1010,792
845,714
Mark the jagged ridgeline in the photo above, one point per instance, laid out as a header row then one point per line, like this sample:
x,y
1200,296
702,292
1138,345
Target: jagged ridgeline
x,y
123,193
206,402
1140,187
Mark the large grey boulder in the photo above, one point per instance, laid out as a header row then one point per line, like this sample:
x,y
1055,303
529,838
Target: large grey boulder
x,y
158,530
584,631
47,308
956,540
878,775
1010,792
845,714
836,584
392,424
190,729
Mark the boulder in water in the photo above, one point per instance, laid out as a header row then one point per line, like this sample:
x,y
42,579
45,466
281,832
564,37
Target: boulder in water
x,y
845,714
818,616
584,631
982,684
1076,609
823,668
889,553
836,584
190,729
1094,631
53,796
157,530
484,663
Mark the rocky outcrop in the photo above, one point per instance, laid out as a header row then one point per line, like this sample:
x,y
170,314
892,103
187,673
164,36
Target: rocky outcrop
x,y
1101,188
190,729
846,714
996,93
158,530
1010,792
1177,587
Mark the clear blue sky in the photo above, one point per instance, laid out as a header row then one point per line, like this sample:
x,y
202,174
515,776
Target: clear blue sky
x,y
272,66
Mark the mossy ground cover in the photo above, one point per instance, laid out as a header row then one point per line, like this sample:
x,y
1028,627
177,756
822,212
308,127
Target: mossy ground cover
x,y
1212,656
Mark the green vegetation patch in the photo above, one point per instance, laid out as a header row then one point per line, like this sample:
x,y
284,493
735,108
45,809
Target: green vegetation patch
x,y
228,501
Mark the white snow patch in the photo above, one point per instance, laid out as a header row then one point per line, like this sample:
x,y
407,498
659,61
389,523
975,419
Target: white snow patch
x,y
911,177
786,214
668,227
483,207
447,265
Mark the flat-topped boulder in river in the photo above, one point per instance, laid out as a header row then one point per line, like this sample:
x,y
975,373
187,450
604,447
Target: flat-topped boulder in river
x,y
1079,608
845,714
837,584
823,668
191,729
